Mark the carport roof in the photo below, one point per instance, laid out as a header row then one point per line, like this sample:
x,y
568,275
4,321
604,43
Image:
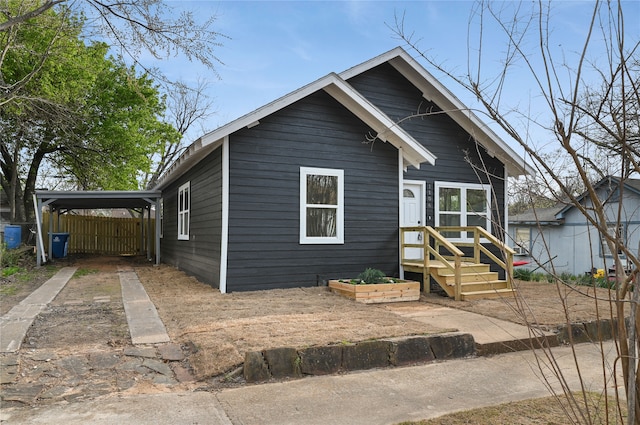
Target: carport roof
x,y
96,199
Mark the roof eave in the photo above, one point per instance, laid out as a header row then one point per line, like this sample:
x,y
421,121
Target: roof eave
x,y
386,129
335,86
433,90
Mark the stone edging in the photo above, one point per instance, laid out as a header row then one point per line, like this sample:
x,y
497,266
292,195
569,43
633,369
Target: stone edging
x,y
591,331
286,362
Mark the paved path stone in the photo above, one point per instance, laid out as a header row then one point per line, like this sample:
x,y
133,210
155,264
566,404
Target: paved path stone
x,y
23,393
43,356
149,352
171,352
158,366
14,324
182,373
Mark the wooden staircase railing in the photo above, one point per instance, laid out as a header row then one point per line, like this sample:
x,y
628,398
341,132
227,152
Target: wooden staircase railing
x,y
436,247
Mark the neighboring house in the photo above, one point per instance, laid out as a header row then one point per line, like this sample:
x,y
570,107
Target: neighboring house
x,y
295,193
562,236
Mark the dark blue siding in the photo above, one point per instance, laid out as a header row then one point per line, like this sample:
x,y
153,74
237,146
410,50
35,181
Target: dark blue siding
x,y
264,203
454,148
200,255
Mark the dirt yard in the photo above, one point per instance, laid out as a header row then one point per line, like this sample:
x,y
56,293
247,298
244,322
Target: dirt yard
x,y
217,329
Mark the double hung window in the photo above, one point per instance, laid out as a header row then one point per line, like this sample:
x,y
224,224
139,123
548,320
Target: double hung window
x,y
321,206
184,203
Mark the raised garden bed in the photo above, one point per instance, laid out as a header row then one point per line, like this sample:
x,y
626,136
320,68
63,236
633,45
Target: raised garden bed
x,y
401,290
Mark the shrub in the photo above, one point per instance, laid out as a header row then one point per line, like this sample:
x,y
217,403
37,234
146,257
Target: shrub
x,y
522,274
9,257
372,276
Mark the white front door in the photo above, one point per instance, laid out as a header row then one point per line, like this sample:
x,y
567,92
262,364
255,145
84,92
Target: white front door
x,y
413,214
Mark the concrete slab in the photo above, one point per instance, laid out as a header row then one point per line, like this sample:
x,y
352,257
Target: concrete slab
x,y
14,324
50,289
391,396
381,396
145,326
24,311
156,409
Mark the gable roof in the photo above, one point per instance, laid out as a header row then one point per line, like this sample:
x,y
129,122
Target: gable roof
x,y
413,152
633,185
556,214
538,216
434,91
387,130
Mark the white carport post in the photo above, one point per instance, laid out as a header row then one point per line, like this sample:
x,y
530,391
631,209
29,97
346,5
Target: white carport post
x,y
40,254
158,229
156,203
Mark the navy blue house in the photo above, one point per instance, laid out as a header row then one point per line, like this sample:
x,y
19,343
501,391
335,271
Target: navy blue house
x,y
316,185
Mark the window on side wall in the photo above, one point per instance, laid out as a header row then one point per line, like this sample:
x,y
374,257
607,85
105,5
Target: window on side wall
x,y
321,206
184,203
523,240
620,232
462,205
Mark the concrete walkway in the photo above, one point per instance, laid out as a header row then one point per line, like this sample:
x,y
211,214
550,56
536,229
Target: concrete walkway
x,y
145,325
14,324
491,335
383,396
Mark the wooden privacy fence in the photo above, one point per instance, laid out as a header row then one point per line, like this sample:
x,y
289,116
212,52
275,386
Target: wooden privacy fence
x,y
102,235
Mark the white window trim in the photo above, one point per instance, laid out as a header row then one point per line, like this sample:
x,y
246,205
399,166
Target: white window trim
x,y
463,202
521,247
339,238
184,236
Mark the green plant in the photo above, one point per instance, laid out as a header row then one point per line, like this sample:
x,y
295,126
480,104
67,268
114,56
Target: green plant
x,y
9,270
372,276
9,257
522,274
8,289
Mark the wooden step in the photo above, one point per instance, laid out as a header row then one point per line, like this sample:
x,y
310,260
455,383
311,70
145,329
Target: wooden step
x,y
497,293
417,266
464,268
450,278
484,286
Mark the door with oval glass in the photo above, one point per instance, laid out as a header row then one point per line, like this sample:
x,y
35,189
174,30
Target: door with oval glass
x,y
413,214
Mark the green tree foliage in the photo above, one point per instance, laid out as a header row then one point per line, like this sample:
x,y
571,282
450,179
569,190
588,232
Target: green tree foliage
x,y
86,116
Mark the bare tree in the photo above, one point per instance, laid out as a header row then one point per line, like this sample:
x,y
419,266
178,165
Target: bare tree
x,y
589,116
186,106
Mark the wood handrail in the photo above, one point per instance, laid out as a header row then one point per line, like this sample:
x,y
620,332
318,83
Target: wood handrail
x,y
478,232
429,232
480,236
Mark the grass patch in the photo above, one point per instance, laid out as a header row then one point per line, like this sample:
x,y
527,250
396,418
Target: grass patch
x,y
28,275
84,272
10,270
546,410
8,289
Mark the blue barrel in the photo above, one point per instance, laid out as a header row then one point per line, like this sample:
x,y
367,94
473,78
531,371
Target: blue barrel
x,y
59,244
12,236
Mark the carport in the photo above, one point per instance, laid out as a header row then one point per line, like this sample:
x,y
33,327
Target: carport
x,y
65,201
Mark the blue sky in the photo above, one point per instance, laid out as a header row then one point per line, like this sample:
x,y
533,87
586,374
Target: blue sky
x,y
275,47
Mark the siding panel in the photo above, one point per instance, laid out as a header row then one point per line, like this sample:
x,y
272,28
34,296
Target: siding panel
x,y
264,250
454,148
200,255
